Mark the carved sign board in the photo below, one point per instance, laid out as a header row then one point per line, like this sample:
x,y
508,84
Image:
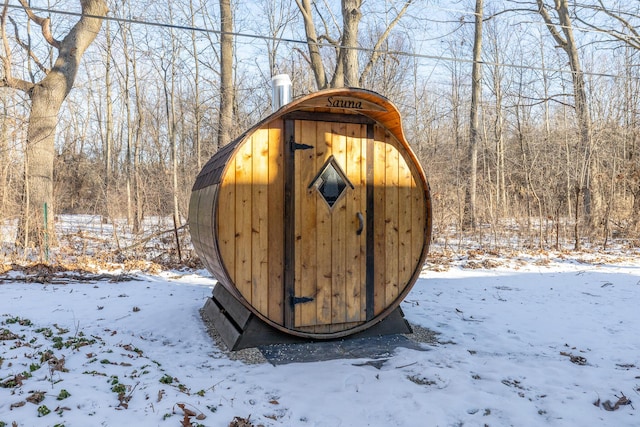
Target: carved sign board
x,y
346,102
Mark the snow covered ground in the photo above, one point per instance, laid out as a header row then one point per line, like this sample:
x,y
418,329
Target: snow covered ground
x,y
524,341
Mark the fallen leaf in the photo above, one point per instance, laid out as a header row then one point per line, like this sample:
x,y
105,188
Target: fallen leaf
x,y
35,397
17,405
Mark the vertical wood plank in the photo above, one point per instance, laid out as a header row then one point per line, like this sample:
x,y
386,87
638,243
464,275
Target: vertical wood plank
x,y
243,220
379,199
297,222
227,219
306,233
418,222
405,200
275,207
391,223
324,236
354,277
260,221
339,238
370,278
289,224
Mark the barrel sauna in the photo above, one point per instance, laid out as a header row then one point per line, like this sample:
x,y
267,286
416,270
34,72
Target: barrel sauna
x,y
316,221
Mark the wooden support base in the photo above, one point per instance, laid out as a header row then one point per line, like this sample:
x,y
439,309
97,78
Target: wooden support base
x,y
239,328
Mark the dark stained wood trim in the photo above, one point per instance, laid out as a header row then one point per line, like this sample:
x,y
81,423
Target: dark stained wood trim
x,y
329,117
370,276
289,224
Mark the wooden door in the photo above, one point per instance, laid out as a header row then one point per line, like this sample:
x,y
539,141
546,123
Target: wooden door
x,y
328,198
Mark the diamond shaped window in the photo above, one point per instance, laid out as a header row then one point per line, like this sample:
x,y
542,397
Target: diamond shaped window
x,y
331,182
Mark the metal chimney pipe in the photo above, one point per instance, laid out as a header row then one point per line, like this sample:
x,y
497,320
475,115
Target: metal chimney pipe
x,y
280,91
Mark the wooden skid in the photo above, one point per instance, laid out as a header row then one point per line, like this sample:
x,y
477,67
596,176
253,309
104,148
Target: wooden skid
x,y
239,328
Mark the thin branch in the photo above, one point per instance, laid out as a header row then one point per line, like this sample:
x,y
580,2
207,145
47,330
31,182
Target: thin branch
x,y
383,37
8,80
44,23
632,40
30,51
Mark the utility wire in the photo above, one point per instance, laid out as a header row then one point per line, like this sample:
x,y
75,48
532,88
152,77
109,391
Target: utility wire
x,y
438,58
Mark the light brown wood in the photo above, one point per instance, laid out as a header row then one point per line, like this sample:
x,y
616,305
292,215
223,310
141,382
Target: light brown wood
x,y
339,238
391,223
260,220
355,250
244,244
306,220
275,207
243,216
418,225
405,232
379,204
227,220
324,232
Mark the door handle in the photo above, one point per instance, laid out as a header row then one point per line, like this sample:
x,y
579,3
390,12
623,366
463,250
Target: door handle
x,y
360,223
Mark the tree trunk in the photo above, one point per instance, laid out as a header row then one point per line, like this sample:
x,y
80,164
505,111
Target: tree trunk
x,y
108,132
47,97
226,74
474,120
351,16
315,58
585,179
197,110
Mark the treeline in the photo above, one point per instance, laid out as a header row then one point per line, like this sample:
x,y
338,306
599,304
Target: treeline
x,y
144,115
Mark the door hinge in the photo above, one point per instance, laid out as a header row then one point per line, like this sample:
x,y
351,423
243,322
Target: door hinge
x,y
298,146
300,300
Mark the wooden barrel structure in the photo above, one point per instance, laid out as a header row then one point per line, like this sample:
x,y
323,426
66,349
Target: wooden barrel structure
x,y
317,220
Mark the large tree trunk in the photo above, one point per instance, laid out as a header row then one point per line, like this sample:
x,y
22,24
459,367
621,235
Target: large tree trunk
x,y
351,16
47,97
226,74
315,58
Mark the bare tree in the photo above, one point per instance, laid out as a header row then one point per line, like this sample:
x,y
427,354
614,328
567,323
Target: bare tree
x,y
226,74
279,16
346,71
197,103
47,96
562,33
621,22
474,119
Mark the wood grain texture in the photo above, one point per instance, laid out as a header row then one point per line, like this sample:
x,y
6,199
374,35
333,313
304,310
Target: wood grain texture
x,y
275,208
238,210
242,213
306,233
260,220
324,274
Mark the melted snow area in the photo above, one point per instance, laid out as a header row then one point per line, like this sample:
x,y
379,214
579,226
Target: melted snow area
x,y
525,341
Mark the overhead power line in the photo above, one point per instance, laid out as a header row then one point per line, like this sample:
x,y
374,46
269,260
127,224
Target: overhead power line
x,y
416,55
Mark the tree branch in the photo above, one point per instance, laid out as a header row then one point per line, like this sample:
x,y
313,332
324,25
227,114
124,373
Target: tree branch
x,y
632,40
44,23
29,51
542,10
383,37
8,80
